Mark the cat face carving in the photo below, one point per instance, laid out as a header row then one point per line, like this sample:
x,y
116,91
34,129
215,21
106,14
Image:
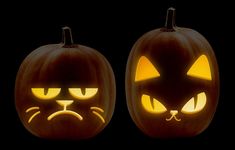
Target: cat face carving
x,y
146,71
171,93
50,93
172,81
65,93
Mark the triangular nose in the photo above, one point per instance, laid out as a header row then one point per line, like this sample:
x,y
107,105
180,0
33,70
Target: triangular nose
x,y
64,102
174,112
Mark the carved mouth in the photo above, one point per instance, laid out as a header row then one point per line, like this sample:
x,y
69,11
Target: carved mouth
x,y
78,116
66,112
169,119
97,111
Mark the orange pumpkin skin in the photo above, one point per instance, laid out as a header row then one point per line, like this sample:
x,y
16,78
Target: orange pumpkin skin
x,y
172,50
65,66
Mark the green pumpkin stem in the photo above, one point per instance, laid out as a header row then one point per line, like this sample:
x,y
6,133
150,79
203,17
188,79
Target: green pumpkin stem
x,y
170,19
67,38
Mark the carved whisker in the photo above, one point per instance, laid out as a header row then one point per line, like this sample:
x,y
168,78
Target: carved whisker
x,y
99,116
94,111
31,108
97,109
34,115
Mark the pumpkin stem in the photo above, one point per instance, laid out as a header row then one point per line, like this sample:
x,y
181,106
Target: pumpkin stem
x,y
170,19
67,38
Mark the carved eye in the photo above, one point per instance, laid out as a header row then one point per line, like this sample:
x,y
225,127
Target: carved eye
x,y
145,70
88,93
200,69
154,106
194,106
44,94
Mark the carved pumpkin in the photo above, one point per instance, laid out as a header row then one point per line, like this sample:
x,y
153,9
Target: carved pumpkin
x,y
65,91
172,81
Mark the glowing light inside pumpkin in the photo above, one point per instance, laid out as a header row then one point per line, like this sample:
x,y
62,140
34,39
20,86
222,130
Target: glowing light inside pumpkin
x,y
173,115
97,114
200,69
145,70
65,103
77,93
31,108
34,115
66,112
154,106
40,93
194,106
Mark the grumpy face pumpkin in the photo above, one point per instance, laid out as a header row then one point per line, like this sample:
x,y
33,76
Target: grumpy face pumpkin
x,y
65,91
172,82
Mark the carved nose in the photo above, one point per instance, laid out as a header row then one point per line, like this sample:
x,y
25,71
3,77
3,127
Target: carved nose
x,y
174,112
64,102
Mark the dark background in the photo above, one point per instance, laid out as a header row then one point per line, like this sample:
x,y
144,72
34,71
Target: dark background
x,y
112,28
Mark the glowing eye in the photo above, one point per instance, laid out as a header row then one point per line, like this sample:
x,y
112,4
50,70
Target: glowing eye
x,y
200,69
145,70
41,93
192,107
154,106
88,93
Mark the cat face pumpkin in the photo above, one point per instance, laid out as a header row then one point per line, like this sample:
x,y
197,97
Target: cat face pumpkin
x,y
164,101
44,94
65,91
146,71
172,82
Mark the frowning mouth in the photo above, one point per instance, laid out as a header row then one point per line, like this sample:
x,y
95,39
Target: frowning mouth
x,y
97,111
78,116
65,103
66,112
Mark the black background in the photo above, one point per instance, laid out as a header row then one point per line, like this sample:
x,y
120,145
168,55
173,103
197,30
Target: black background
x,y
112,28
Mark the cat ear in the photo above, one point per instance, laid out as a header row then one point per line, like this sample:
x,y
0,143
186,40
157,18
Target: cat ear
x,y
200,69
145,70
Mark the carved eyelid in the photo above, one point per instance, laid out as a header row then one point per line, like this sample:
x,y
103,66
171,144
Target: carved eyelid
x,y
77,93
191,107
50,94
155,107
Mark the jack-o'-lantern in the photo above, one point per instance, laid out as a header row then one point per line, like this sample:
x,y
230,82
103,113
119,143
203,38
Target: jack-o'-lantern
x,y
65,91
172,82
